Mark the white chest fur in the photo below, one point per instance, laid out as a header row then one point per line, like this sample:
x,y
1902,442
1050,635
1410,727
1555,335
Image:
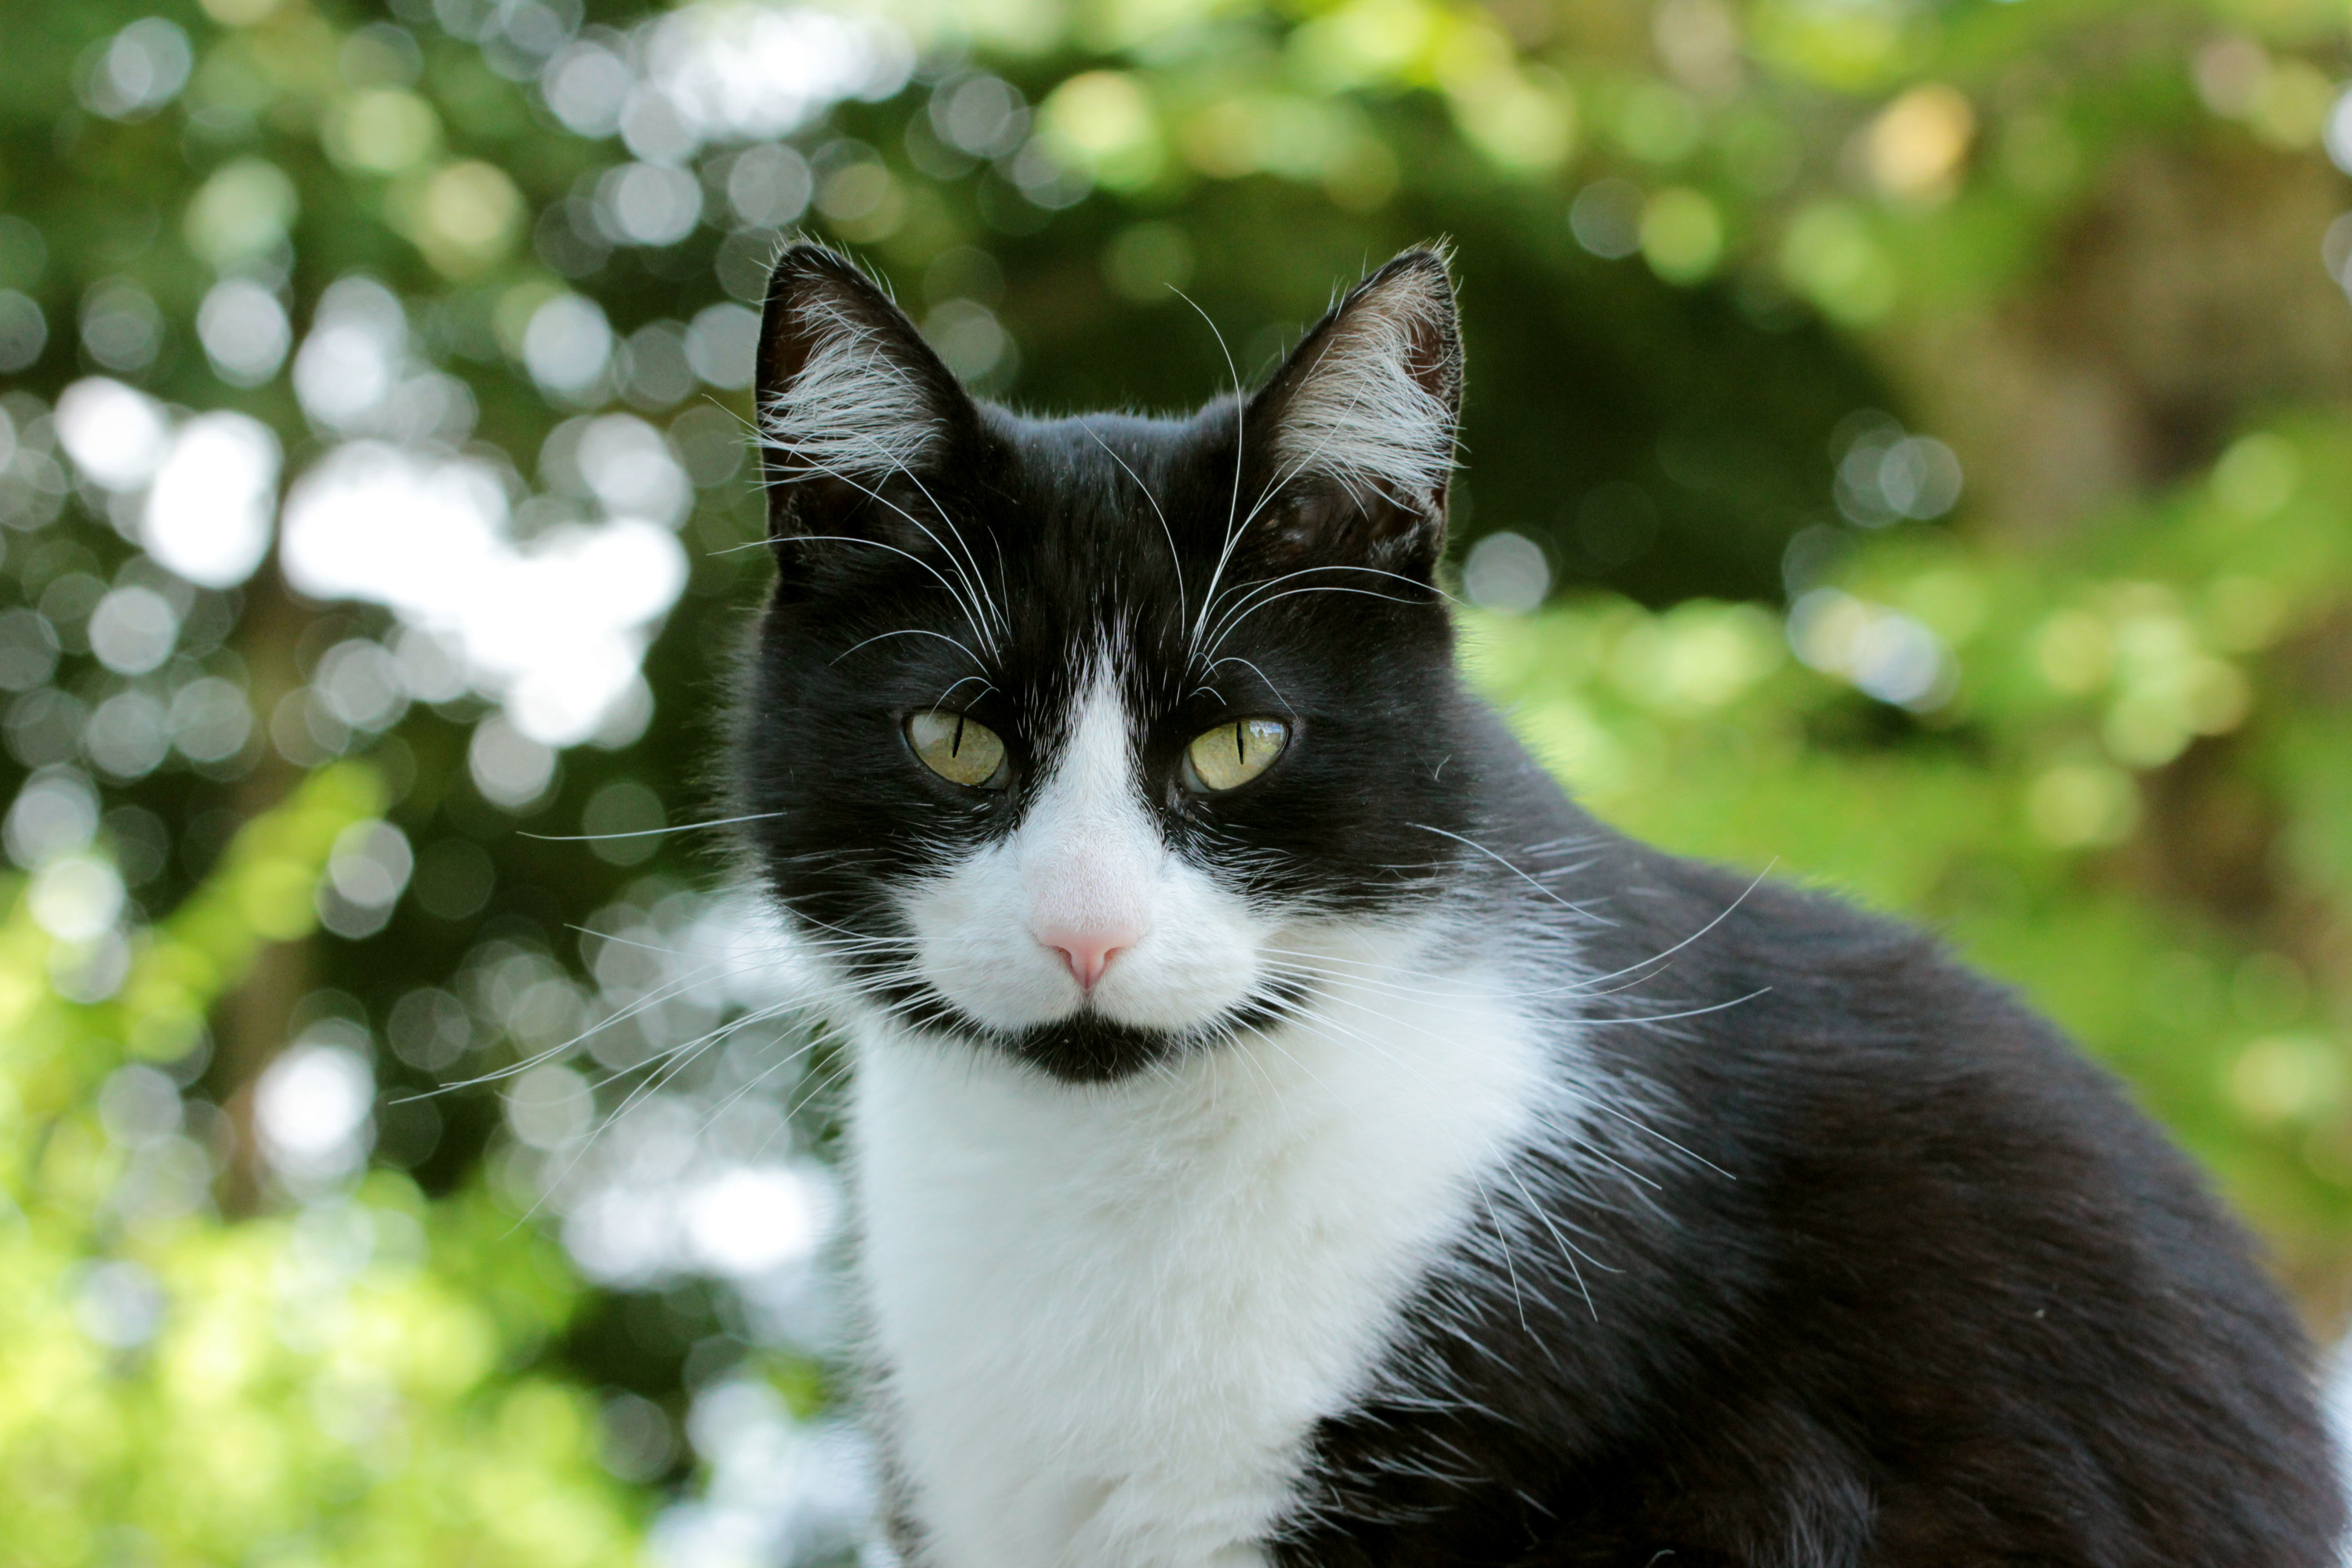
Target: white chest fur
x,y
1109,1317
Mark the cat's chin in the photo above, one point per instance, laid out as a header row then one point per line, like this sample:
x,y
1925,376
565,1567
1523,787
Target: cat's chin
x,y
1086,1048
1089,1049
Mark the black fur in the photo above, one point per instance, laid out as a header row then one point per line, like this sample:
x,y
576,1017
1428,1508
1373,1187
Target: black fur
x,y
1871,1267
1925,1292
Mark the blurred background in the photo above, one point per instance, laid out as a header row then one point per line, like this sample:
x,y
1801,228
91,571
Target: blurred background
x,y
1907,450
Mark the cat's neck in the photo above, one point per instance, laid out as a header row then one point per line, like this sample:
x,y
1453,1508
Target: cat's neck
x,y
1226,1241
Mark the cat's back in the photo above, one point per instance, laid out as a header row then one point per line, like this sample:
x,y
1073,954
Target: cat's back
x,y
1983,1307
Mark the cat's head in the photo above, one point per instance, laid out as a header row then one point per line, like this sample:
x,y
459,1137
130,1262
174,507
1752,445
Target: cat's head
x,y
1084,739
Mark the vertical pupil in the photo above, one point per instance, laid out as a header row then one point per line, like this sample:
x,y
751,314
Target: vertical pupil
x,y
1241,747
955,746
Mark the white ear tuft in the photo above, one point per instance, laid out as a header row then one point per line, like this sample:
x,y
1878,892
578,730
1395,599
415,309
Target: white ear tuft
x,y
849,393
1369,401
854,409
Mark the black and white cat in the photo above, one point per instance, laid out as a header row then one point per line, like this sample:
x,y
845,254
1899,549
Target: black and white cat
x,y
1285,1129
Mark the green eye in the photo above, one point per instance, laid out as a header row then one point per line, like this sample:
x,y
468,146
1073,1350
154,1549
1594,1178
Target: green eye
x,y
958,749
1230,755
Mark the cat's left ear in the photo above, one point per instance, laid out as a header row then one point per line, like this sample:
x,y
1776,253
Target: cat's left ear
x,y
1358,424
851,400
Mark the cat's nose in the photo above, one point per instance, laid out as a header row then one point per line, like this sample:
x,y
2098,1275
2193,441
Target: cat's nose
x,y
1088,953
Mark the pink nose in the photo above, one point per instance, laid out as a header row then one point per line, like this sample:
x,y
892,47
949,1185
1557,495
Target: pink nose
x,y
1090,953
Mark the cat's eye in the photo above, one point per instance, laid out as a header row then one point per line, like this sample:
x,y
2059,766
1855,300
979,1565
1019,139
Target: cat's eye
x,y
960,749
1231,754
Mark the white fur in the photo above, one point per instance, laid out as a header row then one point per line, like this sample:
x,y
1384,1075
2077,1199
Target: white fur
x,y
1108,1317
852,411
1359,415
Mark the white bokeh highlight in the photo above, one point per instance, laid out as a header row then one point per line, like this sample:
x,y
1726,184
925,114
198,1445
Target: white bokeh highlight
x,y
553,628
132,630
366,873
142,68
751,72
1506,573
55,813
567,346
358,372
1881,651
116,435
313,1110
210,483
245,332
210,506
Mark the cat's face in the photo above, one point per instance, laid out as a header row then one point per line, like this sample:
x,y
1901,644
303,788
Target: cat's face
x,y
1087,739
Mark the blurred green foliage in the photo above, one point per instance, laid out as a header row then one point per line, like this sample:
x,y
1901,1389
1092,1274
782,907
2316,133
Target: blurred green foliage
x,y
1928,415
332,1386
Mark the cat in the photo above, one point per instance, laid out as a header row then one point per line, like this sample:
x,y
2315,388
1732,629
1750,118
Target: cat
x,y
1283,1130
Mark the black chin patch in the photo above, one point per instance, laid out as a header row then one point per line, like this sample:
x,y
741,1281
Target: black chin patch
x,y
1089,1049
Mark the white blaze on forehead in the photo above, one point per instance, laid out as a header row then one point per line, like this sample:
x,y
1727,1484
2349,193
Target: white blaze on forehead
x,y
1088,852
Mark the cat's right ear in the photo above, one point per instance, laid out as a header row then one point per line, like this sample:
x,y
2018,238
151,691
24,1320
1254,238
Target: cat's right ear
x,y
852,400
1359,425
